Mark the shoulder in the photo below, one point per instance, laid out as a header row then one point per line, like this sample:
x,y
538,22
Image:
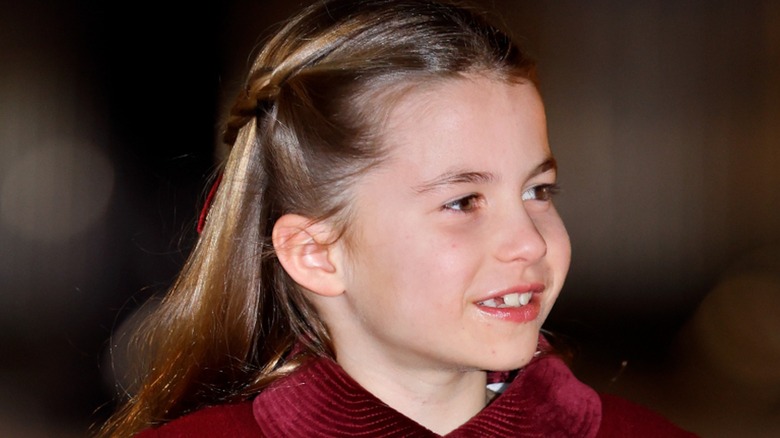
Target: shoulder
x,y
621,418
233,420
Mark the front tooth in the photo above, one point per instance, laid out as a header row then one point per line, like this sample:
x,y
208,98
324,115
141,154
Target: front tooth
x,y
525,298
512,300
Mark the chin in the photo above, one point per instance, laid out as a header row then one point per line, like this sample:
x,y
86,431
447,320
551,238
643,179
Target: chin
x,y
512,358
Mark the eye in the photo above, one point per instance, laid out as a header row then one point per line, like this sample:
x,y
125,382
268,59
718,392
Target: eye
x,y
464,204
542,192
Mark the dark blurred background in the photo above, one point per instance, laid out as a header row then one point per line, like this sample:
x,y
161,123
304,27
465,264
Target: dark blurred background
x,y
664,115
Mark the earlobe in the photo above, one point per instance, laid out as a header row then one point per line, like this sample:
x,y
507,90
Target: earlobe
x,y
306,251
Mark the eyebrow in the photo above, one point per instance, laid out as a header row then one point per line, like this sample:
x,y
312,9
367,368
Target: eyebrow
x,y
547,165
466,177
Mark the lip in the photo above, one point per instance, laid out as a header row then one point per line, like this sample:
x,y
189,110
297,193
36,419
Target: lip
x,y
521,314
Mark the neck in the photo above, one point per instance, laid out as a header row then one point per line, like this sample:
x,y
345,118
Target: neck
x,y
440,400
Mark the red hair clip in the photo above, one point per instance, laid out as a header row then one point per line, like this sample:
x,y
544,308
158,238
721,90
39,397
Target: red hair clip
x,y
207,205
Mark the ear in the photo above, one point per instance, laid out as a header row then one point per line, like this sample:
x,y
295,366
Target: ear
x,y
306,251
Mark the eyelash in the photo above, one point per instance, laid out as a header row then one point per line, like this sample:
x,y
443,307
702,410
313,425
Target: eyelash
x,y
541,192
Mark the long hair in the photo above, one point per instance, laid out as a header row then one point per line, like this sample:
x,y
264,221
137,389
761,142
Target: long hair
x,y
303,130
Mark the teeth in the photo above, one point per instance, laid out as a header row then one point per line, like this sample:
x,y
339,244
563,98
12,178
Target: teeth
x,y
509,300
512,300
489,303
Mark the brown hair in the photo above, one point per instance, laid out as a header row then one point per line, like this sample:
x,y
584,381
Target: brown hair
x,y
302,131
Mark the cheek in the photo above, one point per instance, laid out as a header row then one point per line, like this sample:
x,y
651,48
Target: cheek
x,y
435,267
430,261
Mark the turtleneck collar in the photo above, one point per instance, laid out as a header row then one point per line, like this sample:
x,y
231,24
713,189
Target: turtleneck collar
x,y
321,399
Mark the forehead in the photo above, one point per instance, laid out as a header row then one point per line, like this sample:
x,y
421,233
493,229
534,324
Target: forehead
x,y
466,122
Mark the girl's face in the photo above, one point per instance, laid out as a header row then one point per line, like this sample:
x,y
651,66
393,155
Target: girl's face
x,y
456,252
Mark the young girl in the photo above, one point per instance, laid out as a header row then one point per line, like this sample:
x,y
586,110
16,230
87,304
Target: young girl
x,y
382,246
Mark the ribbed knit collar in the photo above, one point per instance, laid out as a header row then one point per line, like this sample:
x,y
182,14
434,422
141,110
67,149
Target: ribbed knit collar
x,y
321,399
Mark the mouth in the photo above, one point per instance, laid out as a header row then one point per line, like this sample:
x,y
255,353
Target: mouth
x,y
518,304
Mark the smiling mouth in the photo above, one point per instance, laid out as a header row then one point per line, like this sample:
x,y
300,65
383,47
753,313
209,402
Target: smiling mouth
x,y
508,301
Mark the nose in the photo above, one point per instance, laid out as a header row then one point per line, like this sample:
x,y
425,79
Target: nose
x,y
519,238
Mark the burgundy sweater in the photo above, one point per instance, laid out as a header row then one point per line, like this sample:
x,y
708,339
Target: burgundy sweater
x,y
320,399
